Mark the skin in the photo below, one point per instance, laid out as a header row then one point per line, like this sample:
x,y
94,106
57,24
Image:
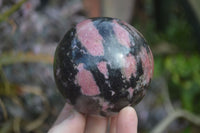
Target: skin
x,y
71,121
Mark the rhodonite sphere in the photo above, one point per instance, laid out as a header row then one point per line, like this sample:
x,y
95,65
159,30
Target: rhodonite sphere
x,y
102,65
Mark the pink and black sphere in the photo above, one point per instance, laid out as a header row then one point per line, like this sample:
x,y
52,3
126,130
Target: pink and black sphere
x,y
102,65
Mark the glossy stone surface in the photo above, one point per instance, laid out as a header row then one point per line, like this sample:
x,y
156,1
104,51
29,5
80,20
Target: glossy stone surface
x,y
102,65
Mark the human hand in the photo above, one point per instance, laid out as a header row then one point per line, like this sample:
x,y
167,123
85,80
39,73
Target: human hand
x,y
71,121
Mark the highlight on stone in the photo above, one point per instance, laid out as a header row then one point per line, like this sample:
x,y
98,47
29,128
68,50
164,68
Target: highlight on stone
x,y
102,65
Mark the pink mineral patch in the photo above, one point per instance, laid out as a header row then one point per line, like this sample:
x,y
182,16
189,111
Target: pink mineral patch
x,y
130,90
90,38
86,81
122,34
102,66
105,106
147,63
152,63
130,66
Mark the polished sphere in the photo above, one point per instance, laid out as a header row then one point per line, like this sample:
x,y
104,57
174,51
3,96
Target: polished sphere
x,y
102,65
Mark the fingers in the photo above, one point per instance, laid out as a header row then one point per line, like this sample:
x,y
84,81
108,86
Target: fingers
x,y
127,121
96,124
113,124
69,121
